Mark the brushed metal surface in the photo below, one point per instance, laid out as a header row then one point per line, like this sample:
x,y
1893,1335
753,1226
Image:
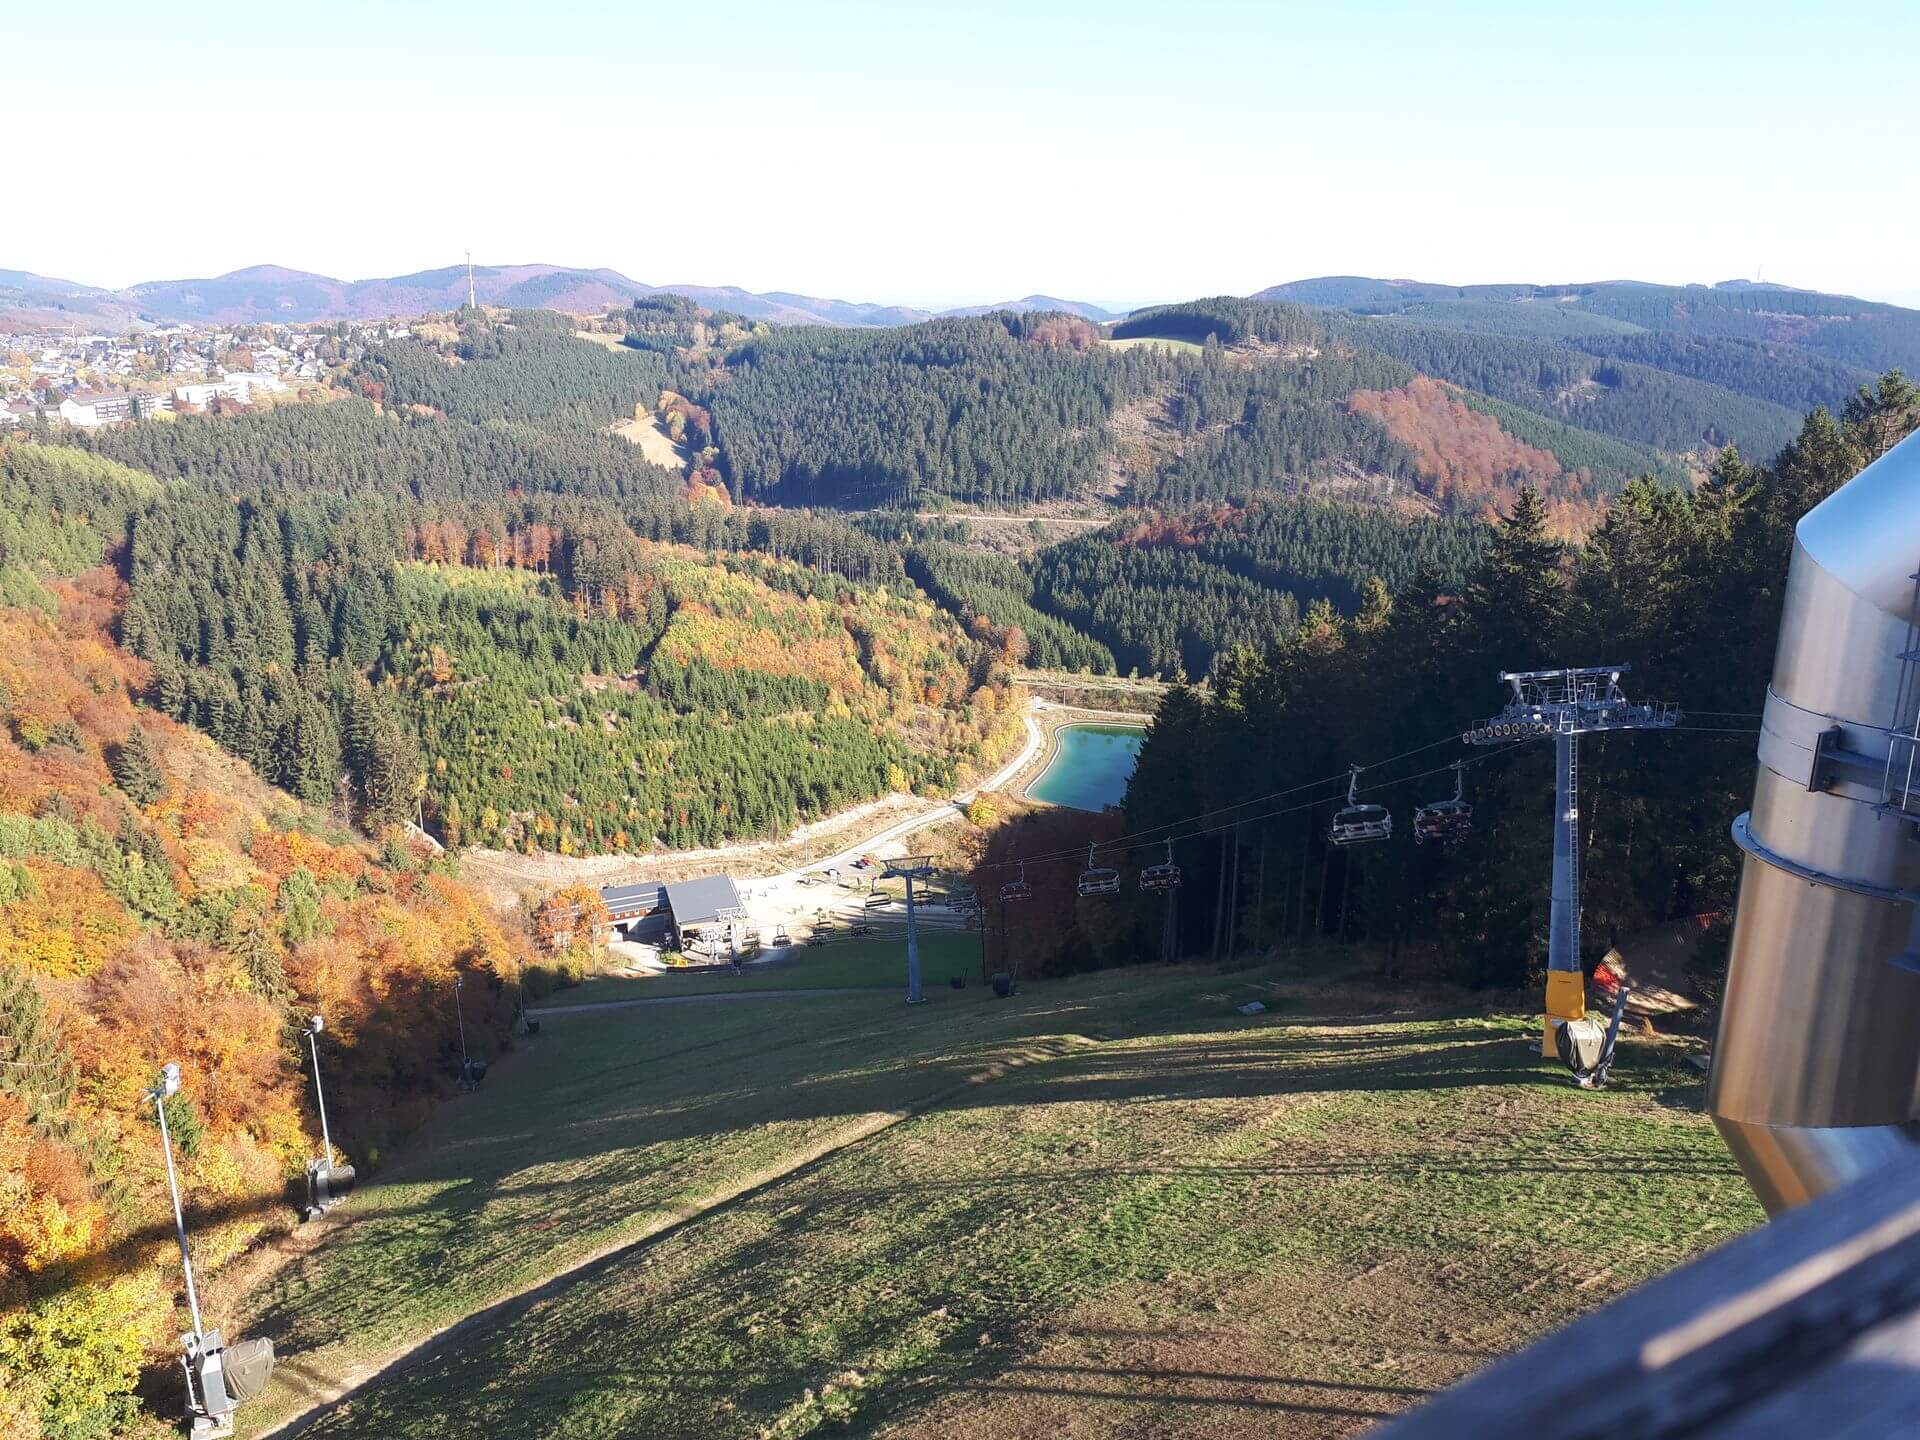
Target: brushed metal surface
x,y
1790,1165
1816,1070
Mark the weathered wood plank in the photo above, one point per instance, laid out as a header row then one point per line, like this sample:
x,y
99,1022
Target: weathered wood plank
x,y
1870,1392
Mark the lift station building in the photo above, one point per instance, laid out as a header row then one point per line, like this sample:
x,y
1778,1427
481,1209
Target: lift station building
x,y
685,913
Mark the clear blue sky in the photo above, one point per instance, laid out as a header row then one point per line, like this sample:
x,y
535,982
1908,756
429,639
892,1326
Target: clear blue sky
x,y
1116,152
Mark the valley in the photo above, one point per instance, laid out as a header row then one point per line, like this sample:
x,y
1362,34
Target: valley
x,y
358,700
1049,721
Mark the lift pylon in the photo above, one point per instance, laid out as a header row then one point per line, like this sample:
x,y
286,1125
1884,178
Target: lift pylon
x,y
1567,704
911,868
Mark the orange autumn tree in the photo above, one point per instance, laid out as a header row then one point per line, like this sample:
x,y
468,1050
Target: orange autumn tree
x,y
190,922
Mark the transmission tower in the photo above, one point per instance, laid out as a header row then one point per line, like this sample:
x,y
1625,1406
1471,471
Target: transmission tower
x,y
1567,704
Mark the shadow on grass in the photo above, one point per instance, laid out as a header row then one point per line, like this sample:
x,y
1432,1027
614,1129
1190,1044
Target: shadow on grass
x,y
631,1119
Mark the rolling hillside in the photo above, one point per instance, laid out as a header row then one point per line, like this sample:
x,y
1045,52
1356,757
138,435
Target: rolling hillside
x,y
276,293
160,901
1792,348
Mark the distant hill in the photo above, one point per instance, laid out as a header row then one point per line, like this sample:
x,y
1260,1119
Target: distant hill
x,y
277,293
1033,304
1773,342
29,302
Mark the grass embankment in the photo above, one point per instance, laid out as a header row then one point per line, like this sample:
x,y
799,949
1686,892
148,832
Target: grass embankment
x,y
1109,1206
877,962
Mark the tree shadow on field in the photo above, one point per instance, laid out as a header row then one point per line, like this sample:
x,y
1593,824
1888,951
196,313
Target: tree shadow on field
x,y
638,1119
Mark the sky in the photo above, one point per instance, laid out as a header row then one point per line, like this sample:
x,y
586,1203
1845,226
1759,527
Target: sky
x,y
947,154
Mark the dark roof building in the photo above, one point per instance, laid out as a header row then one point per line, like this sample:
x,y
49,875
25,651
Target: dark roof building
x,y
630,902
710,900
643,909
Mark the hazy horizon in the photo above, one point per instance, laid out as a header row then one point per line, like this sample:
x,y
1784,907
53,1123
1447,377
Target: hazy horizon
x,y
1117,153
1068,294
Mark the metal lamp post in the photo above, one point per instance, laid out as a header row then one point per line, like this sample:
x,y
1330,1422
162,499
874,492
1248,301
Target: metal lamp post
x,y
167,1087
327,1183
472,1072
219,1377
315,1025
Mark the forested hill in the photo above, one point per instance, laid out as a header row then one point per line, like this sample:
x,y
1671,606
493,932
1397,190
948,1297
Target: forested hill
x,y
1211,400
160,902
1168,592
1221,399
517,629
1796,348
1682,586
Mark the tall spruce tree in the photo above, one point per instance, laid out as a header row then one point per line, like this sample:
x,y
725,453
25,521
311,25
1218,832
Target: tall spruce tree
x,y
135,769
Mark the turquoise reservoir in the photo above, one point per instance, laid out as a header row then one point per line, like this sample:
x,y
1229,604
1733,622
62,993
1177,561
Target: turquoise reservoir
x,y
1090,767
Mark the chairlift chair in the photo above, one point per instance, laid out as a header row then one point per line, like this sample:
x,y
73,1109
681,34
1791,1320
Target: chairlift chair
x,y
1445,822
1164,876
222,1377
1359,824
1017,889
1098,879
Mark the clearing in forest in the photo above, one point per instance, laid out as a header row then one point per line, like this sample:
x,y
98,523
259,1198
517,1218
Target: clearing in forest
x,y
1112,1205
655,444
1166,342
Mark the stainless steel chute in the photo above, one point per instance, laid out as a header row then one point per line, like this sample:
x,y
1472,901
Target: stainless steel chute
x,y
1817,1064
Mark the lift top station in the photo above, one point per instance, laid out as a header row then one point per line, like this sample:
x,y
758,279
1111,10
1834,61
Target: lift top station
x,y
1567,704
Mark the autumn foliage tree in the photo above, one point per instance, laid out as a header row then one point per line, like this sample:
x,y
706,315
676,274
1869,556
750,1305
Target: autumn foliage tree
x,y
142,923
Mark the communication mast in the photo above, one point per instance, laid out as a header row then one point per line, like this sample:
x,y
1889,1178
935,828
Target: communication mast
x,y
472,304
1567,704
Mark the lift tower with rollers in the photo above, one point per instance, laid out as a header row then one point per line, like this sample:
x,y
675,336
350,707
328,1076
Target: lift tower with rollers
x,y
1567,704
911,868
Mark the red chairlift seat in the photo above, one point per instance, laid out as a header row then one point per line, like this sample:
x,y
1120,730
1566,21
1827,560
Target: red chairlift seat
x,y
1164,876
1445,822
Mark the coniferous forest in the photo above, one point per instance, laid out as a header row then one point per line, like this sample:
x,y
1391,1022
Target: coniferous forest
x,y
241,651
1683,587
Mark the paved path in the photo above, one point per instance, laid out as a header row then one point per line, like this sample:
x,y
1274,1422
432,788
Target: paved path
x,y
711,995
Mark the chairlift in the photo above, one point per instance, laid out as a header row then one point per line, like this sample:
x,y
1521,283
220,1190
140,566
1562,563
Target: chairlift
x,y
222,1377
1360,824
1098,879
1017,889
327,1186
1164,876
1445,822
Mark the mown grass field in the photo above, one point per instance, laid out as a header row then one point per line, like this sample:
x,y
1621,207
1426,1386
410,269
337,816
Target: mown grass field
x,y
1109,1206
876,962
